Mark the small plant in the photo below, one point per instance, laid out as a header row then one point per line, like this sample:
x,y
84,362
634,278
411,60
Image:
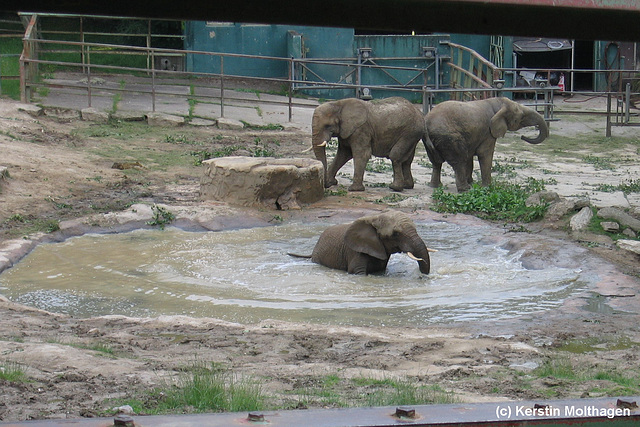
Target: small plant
x,y
391,198
500,201
202,388
11,372
340,191
161,217
599,163
627,187
269,126
378,166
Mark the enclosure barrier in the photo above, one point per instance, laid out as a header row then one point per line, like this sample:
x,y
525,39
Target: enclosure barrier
x,y
470,76
601,412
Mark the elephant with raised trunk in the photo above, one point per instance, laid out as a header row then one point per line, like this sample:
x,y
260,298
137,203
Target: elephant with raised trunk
x,y
390,127
365,245
458,131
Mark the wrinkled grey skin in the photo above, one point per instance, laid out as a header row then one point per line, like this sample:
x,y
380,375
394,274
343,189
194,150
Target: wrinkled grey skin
x,y
458,131
365,245
388,128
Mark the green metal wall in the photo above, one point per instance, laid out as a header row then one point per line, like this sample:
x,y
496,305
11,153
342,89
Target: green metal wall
x,y
263,40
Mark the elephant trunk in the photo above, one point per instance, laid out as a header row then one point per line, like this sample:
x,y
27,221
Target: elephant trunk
x,y
535,119
319,141
419,250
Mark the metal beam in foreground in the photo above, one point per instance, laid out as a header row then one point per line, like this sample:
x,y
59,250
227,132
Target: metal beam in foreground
x,y
620,412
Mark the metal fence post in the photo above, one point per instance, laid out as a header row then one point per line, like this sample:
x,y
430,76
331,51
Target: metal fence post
x,y
221,86
608,133
291,74
153,80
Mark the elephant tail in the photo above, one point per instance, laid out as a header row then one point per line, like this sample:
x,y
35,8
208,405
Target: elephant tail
x,y
434,156
298,255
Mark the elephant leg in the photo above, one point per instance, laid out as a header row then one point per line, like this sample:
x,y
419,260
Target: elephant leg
x,y
361,263
361,156
470,171
406,173
486,162
343,155
462,176
398,176
436,172
401,161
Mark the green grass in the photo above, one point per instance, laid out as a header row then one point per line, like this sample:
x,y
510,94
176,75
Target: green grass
x,y
627,187
11,372
601,379
335,391
500,201
202,387
27,225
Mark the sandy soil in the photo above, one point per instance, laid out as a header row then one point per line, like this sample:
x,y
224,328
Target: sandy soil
x,y
61,169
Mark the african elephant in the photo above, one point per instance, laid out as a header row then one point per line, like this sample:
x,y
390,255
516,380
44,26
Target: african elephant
x,y
389,127
460,130
365,245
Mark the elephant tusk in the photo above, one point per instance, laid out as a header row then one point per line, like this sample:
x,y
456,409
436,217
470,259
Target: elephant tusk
x,y
431,250
413,257
324,144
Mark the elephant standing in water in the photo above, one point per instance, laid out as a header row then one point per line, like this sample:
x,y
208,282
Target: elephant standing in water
x,y
460,130
365,245
390,127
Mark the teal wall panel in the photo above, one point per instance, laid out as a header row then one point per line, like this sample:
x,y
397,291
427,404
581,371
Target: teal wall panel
x,y
263,40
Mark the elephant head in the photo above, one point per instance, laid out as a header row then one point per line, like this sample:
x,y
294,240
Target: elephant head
x,y
365,245
335,119
513,116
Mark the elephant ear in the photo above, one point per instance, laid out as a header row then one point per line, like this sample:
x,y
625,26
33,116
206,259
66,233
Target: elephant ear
x,y
352,116
498,125
363,237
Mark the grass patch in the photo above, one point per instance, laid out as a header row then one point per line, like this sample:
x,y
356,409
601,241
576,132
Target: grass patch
x,y
334,391
627,187
11,372
601,379
161,217
26,225
203,387
391,198
269,126
378,166
500,201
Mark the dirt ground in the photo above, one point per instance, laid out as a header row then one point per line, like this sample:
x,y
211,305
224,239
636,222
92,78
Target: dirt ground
x,y
60,169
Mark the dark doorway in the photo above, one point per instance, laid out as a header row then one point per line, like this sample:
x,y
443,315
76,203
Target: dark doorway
x,y
584,60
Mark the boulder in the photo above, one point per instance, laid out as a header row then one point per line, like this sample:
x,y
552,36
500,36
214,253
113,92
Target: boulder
x,y
620,216
94,115
629,233
560,209
542,197
224,123
629,245
581,220
32,110
610,226
262,181
166,120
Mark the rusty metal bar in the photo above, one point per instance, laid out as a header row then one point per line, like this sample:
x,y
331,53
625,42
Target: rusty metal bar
x,y
601,412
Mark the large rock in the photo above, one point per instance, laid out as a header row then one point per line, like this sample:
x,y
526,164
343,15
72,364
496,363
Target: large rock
x,y
581,220
166,120
230,124
622,217
94,115
264,181
629,245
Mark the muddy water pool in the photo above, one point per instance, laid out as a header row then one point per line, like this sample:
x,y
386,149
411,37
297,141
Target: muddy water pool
x,y
246,276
